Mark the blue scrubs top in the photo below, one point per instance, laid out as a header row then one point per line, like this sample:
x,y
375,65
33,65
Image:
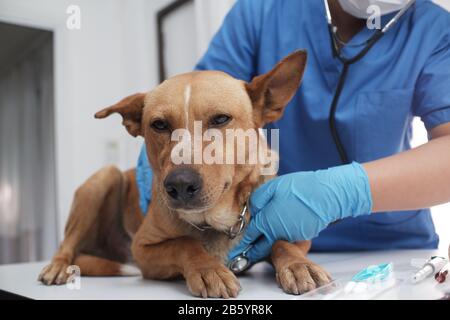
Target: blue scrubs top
x,y
406,74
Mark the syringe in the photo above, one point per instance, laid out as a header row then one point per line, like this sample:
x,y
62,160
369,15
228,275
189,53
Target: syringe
x,y
431,267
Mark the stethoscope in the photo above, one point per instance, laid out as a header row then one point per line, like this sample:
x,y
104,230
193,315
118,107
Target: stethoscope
x,y
241,262
335,42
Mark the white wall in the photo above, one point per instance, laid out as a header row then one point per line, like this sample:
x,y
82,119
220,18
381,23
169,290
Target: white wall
x,y
189,31
113,55
180,41
443,3
209,16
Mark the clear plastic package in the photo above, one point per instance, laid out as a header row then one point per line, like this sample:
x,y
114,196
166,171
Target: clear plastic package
x,y
366,285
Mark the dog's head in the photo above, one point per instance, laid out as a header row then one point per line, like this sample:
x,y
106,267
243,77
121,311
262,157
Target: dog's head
x,y
188,124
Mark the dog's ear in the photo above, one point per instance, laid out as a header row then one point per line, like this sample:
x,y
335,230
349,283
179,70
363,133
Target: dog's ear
x,y
130,109
271,92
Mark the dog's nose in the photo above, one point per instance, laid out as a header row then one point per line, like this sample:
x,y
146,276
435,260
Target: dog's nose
x,y
183,184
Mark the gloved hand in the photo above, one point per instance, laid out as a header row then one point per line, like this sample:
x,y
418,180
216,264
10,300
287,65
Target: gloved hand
x,y
144,176
298,206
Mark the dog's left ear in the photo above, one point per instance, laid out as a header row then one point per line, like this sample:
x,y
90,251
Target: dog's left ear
x,y
130,109
271,92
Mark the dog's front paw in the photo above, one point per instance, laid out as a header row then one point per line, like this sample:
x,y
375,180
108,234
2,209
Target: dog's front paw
x,y
213,281
297,277
55,273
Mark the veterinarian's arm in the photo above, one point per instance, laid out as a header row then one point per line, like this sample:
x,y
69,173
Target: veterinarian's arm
x,y
299,205
418,178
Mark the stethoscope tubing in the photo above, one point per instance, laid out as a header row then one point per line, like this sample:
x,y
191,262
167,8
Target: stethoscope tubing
x,y
343,155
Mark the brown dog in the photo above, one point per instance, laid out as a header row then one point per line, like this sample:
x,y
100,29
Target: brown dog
x,y
106,228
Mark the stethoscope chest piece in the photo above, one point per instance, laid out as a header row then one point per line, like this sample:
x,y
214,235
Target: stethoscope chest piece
x,y
239,264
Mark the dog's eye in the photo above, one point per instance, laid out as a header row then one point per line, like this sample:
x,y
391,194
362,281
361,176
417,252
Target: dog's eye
x,y
220,120
160,125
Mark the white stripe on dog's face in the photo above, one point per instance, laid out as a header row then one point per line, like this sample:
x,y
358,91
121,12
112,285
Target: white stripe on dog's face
x,y
187,99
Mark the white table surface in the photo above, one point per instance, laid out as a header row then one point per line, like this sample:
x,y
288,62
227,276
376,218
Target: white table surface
x,y
258,284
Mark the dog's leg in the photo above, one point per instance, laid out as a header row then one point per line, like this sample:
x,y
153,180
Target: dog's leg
x,y
99,267
204,274
98,194
295,273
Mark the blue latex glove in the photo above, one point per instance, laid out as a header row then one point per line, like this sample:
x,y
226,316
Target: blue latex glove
x,y
144,176
298,206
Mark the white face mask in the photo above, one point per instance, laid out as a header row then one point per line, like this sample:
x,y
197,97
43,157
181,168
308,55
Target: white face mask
x,y
358,8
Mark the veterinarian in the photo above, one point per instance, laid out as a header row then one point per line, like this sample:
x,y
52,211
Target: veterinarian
x,y
353,164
